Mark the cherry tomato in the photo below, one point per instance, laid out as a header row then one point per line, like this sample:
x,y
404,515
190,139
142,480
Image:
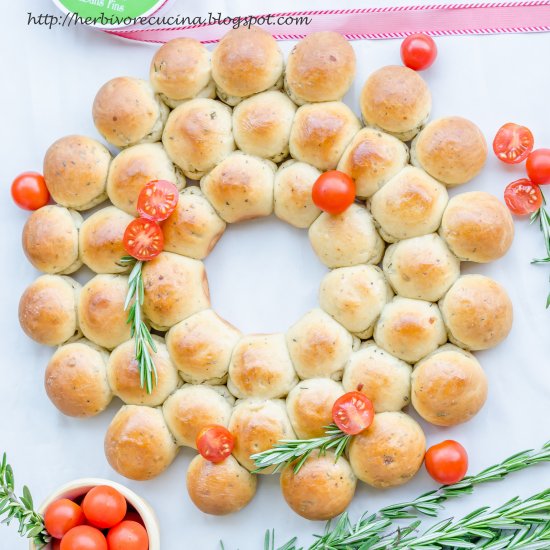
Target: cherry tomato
x,y
538,166
333,192
84,537
513,143
143,239
215,443
447,462
61,516
128,535
353,412
104,507
56,544
522,197
29,191
157,200
418,51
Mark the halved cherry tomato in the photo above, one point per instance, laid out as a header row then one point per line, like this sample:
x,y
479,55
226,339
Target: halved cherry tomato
x,y
29,191
513,143
128,535
157,200
353,412
84,537
538,166
333,192
61,516
215,443
104,507
447,462
522,197
143,239
418,51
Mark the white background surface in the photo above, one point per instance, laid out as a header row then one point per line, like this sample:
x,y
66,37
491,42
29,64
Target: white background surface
x,y
263,275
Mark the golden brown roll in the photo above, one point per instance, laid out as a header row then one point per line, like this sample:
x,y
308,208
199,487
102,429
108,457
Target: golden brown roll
x,y
219,489
477,312
319,346
477,227
198,136
397,100
355,296
76,379
75,170
390,452
448,386
138,444
322,489
346,239
50,239
175,288
194,407
201,346
410,329
127,111
421,267
383,378
101,310
241,187
372,158
101,235
409,205
451,149
292,193
48,310
180,70
261,367
309,406
246,61
194,227
321,132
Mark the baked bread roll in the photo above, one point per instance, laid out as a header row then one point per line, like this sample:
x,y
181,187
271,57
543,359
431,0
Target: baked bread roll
x,y
50,239
322,489
383,378
201,346
180,70
191,408
321,132
448,386
246,61
355,296
219,489
421,267
309,406
75,170
409,205
257,425
260,367
321,67
319,346
175,288
477,227
138,444
371,159
127,111
451,149
198,136
410,329
477,312
76,379
48,310
346,239
397,100
292,193
101,236
240,187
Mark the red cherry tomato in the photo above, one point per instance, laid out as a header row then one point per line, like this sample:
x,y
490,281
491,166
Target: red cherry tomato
x,y
157,200
84,537
333,192
353,412
418,51
61,516
447,462
215,443
143,239
522,197
29,191
128,535
538,166
56,544
104,507
513,143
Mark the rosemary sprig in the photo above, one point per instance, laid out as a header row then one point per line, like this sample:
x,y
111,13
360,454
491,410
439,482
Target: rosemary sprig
x,y
543,217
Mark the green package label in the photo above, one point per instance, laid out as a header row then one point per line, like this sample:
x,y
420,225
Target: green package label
x,y
109,8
